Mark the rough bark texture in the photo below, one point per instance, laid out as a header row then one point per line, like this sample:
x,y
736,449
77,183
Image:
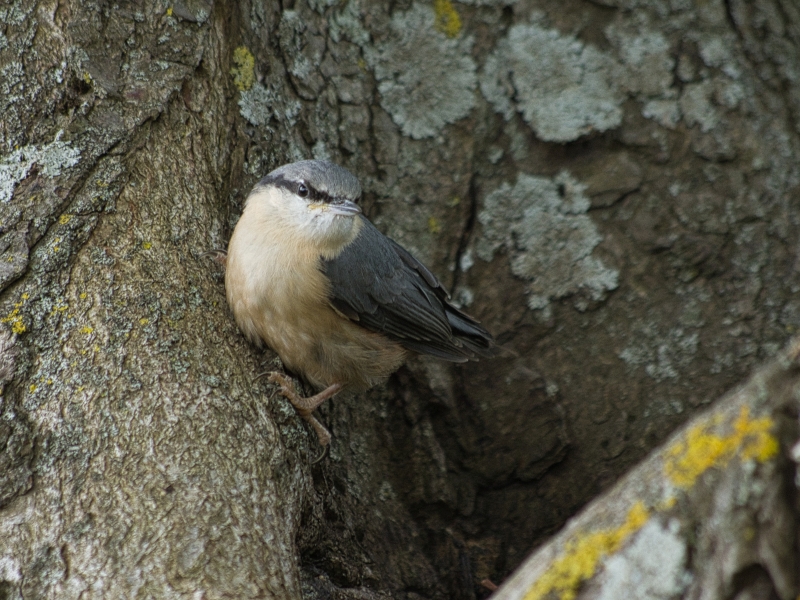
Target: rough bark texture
x,y
713,514
610,186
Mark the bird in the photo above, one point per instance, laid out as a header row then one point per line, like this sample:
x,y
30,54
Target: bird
x,y
343,305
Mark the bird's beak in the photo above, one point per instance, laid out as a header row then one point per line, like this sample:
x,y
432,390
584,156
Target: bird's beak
x,y
345,208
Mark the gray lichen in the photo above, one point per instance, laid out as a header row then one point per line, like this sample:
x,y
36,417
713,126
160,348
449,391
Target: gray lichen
x,y
564,88
15,13
255,105
664,112
303,50
697,106
647,58
652,567
720,53
662,354
426,80
344,22
52,158
542,223
560,85
260,103
8,357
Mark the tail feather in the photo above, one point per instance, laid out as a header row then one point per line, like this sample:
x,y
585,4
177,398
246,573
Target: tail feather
x,y
469,332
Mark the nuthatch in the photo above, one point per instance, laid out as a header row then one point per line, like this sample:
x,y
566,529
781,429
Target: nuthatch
x,y
341,304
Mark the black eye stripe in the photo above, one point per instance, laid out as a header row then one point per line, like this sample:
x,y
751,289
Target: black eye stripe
x,y
318,196
294,187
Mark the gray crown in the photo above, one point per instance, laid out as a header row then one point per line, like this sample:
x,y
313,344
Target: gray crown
x,y
323,176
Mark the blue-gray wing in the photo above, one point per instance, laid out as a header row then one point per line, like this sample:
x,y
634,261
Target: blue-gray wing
x,y
378,284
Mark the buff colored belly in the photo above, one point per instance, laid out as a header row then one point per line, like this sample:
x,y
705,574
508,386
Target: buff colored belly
x,y
283,301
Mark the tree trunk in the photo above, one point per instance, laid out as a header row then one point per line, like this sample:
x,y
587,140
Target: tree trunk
x,y
610,186
713,514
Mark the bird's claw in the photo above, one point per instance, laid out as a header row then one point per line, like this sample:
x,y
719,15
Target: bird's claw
x,y
304,406
218,255
287,389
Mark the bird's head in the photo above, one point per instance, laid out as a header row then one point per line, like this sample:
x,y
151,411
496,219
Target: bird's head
x,y
316,198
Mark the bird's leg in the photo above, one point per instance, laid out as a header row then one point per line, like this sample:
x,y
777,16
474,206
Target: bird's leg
x,y
217,255
305,406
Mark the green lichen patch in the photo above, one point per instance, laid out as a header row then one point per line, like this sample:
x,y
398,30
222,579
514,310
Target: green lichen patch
x,y
447,19
244,71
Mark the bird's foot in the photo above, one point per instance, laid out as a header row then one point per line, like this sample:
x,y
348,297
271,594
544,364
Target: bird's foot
x,y
306,406
217,255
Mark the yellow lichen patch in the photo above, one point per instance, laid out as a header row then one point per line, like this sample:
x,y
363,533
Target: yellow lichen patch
x,y
147,245
760,444
144,321
169,11
59,308
87,330
244,71
64,219
433,225
701,448
583,554
447,19
15,318
667,504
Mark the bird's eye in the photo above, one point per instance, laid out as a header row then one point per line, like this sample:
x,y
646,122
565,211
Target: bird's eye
x,y
302,190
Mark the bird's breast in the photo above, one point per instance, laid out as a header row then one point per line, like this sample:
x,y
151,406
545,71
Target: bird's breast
x,y
272,284
279,294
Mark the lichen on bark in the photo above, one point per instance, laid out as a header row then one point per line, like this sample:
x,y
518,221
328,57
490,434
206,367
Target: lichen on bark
x,y
140,453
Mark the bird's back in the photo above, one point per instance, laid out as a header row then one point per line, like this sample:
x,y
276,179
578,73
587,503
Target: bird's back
x,y
378,284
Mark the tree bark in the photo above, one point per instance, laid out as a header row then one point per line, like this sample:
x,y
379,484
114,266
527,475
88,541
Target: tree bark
x,y
712,514
610,186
